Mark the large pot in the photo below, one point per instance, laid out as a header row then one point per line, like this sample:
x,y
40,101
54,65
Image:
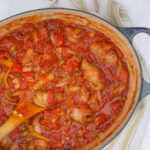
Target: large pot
x,y
122,37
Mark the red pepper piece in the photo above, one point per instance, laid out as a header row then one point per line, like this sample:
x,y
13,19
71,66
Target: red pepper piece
x,y
17,68
50,98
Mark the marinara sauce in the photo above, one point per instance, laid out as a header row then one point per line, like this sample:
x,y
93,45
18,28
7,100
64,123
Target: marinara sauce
x,y
76,72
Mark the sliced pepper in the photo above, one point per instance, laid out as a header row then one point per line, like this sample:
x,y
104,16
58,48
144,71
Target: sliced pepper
x,y
7,62
5,78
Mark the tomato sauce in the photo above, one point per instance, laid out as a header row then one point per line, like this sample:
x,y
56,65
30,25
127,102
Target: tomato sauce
x,y
76,72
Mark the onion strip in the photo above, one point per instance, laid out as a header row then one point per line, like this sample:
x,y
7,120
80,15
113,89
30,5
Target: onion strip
x,y
33,133
39,136
5,78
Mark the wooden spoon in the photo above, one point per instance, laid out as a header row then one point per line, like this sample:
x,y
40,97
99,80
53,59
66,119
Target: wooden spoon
x,y
23,111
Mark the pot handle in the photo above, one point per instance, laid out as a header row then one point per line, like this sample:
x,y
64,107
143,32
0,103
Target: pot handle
x,y
130,32
145,89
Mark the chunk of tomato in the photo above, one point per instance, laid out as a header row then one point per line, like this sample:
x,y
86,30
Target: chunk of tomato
x,y
90,57
39,47
67,68
4,54
123,76
59,40
23,85
71,66
20,55
50,98
30,43
119,53
17,68
102,118
52,126
47,114
43,33
109,74
48,47
117,106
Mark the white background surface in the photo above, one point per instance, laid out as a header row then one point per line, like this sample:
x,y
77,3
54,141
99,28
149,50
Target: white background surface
x,y
139,11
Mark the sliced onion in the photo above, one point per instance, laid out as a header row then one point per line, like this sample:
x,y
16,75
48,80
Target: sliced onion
x,y
16,82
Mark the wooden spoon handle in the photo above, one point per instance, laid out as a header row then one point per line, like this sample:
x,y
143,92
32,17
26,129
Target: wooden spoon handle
x,y
24,111
13,121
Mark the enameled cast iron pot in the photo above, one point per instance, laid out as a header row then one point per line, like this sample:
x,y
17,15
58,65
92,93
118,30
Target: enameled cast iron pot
x,y
122,37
